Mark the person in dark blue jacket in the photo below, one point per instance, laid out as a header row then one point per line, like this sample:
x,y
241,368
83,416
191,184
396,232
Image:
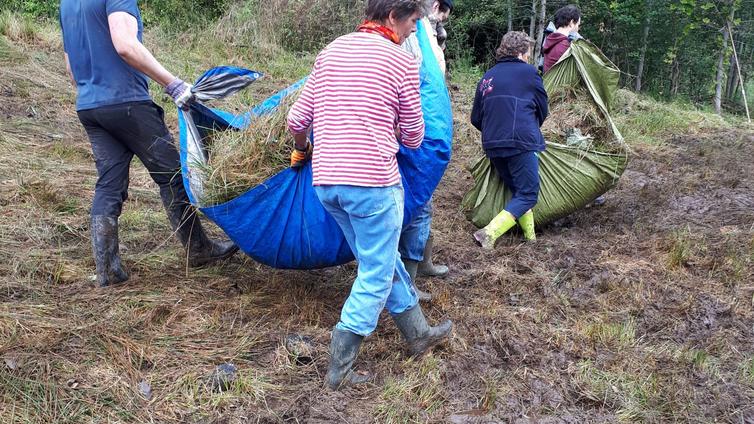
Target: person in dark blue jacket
x,y
509,107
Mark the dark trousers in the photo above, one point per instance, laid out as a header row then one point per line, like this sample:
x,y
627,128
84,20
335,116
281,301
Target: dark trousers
x,y
520,173
119,132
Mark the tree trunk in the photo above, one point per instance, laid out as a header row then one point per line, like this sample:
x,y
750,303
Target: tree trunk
x,y
643,53
675,77
732,83
718,101
540,31
733,73
510,15
719,76
533,21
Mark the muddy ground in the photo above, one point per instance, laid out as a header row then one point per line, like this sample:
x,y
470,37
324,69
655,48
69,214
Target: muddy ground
x,y
638,310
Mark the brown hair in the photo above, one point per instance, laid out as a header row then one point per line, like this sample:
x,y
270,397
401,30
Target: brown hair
x,y
379,10
513,44
567,14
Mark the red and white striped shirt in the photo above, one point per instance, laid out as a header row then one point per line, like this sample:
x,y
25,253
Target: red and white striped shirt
x,y
362,86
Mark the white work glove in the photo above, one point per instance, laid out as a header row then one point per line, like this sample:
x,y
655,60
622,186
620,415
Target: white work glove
x,y
181,93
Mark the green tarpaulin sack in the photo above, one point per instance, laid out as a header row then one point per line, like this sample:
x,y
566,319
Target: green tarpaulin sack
x,y
574,173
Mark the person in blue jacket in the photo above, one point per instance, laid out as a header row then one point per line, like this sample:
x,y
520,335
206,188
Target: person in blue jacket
x,y
510,106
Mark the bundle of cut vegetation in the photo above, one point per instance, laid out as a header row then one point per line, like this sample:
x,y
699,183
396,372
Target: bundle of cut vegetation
x,y
241,160
575,119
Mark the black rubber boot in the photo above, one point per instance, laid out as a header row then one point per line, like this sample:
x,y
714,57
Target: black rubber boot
x,y
427,268
412,266
200,249
104,231
344,348
420,337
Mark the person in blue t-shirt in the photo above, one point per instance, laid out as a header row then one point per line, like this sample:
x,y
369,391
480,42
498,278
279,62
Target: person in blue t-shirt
x,y
109,66
510,106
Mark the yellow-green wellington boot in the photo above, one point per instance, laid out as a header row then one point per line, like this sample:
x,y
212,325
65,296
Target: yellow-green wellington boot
x,y
499,225
526,222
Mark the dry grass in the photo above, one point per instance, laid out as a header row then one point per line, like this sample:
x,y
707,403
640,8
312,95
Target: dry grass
x,y
241,160
414,396
574,109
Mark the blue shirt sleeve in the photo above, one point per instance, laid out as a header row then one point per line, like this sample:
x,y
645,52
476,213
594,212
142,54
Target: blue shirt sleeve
x,y
128,6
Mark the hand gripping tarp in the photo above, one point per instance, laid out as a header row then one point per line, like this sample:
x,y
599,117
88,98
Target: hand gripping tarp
x,y
570,177
281,222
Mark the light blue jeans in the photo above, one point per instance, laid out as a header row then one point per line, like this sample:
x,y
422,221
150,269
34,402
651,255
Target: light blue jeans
x,y
414,235
371,220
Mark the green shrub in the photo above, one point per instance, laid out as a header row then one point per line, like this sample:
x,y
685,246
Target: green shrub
x,y
308,25
182,15
475,29
34,8
172,15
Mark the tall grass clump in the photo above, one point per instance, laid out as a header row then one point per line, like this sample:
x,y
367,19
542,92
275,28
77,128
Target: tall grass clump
x,y
27,32
32,8
17,27
680,249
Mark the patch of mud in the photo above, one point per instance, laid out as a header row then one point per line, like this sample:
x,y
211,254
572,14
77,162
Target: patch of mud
x,y
609,263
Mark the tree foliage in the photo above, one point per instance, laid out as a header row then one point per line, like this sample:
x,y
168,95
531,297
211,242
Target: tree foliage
x,y
684,42
172,15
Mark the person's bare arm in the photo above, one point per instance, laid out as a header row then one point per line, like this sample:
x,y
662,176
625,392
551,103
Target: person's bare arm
x,y
68,69
123,32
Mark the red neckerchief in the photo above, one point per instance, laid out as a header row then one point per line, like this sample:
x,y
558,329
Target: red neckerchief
x,y
373,27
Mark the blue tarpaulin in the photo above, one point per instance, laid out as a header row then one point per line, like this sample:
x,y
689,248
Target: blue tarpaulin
x,y
281,222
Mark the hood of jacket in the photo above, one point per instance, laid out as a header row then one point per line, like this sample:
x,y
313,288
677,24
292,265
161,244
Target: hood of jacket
x,y
553,40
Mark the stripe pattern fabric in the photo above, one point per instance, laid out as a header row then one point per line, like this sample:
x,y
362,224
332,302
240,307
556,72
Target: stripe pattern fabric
x,y
361,88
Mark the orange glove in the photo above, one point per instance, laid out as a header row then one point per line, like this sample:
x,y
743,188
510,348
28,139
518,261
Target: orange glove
x,y
300,157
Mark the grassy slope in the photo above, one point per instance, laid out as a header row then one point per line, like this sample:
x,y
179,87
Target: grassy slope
x,y
597,322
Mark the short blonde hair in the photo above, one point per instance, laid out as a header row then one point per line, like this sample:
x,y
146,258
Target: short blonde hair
x,y
513,44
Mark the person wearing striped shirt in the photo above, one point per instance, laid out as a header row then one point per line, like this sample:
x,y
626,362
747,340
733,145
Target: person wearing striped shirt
x,y
360,101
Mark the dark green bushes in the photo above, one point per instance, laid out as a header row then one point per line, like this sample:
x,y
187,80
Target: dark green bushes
x,y
308,25
171,15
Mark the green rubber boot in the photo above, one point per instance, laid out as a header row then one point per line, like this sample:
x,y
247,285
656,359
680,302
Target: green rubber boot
x,y
526,222
499,225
